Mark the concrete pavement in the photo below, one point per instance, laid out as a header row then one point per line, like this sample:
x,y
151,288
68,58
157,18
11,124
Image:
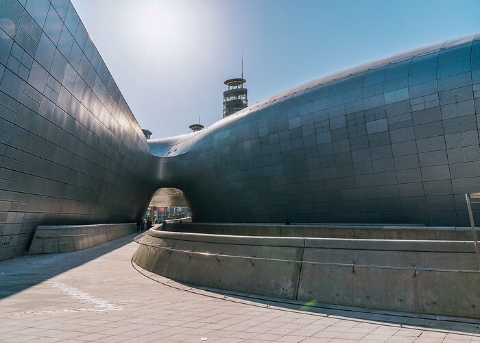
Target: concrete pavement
x,y
99,295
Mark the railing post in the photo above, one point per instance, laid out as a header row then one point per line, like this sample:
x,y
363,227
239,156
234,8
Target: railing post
x,y
472,223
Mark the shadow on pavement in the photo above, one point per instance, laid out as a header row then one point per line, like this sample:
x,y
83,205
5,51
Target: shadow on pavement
x,y
20,273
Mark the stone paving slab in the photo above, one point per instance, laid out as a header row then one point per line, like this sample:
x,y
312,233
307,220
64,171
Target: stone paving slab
x,y
99,295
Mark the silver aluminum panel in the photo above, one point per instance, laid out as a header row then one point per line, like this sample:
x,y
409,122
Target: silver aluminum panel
x,y
416,93
392,141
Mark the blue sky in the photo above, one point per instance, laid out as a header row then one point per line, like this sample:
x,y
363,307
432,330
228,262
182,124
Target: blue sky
x,y
170,57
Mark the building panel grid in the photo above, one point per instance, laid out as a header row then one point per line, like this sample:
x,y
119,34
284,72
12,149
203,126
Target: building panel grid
x,y
397,131
394,141
69,152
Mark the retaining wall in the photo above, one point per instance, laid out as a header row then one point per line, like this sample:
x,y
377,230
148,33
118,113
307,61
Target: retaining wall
x,y
420,276
66,238
407,232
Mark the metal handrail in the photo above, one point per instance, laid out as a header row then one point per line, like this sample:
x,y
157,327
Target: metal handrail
x,y
350,265
472,224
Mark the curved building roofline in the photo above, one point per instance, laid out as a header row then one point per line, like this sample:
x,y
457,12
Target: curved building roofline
x,y
166,146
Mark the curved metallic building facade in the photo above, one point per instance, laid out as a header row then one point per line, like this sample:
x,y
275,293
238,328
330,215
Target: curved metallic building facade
x,y
392,141
70,148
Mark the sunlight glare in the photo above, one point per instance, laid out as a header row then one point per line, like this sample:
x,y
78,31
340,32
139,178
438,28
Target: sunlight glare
x,y
163,29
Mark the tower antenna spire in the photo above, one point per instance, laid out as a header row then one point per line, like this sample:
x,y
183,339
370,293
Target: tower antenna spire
x,y
242,64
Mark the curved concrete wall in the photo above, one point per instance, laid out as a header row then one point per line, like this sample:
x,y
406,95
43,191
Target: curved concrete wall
x,y
420,276
69,145
392,141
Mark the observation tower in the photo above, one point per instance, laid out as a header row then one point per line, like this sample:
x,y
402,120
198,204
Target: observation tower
x,y
235,97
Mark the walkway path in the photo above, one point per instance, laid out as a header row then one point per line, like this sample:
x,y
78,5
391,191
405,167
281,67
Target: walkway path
x,y
98,295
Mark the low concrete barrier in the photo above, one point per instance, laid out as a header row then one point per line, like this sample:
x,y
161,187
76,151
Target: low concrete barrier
x,y
67,238
421,276
409,232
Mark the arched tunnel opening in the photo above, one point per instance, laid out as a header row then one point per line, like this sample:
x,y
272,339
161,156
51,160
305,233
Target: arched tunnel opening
x,y
167,205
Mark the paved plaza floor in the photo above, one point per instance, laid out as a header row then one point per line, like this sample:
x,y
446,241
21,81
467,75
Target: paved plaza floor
x,y
99,295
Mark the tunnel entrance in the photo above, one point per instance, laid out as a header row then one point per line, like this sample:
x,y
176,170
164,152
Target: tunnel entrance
x,y
167,204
